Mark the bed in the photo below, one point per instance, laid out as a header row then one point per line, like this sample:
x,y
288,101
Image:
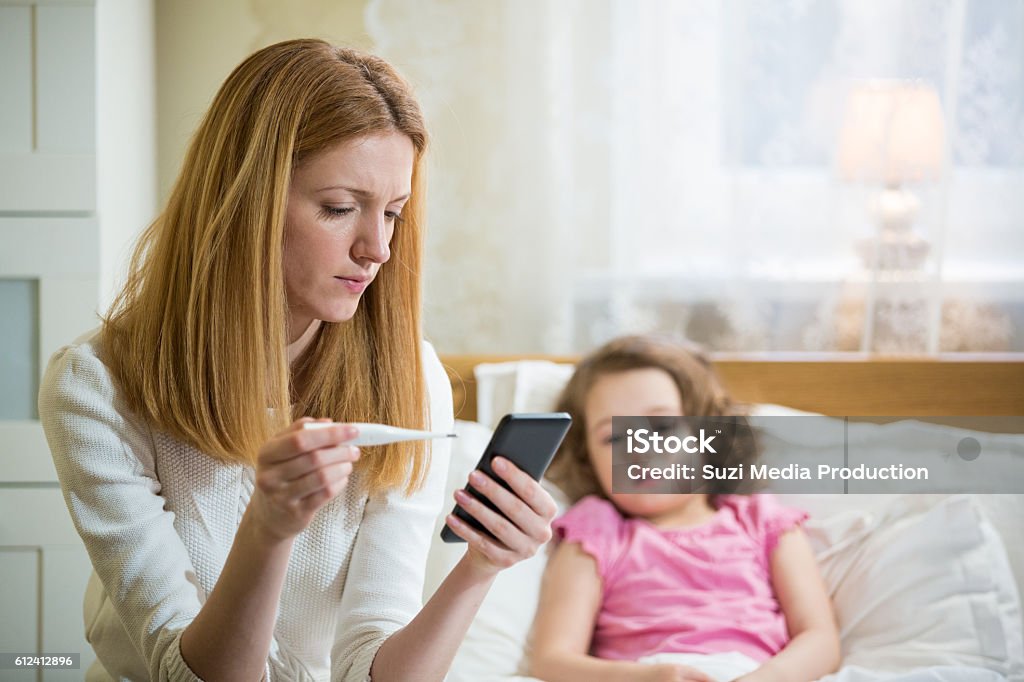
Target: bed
x,y
926,587
832,384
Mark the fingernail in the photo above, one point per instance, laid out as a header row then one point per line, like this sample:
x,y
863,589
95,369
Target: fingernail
x,y
351,432
477,479
355,452
498,463
453,520
461,496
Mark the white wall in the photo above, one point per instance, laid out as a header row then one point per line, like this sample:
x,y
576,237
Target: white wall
x,y
199,42
125,132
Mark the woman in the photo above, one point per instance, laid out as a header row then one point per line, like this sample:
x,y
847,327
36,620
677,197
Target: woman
x,y
280,283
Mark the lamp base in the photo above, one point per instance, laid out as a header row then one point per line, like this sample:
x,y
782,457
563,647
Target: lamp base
x,y
897,247
901,252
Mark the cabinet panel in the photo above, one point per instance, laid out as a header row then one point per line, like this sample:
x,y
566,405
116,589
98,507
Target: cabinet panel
x,y
35,517
65,79
44,569
19,602
16,79
24,454
19,348
61,247
47,183
65,573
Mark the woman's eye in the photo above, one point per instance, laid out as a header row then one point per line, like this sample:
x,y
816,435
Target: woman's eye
x,y
393,216
336,211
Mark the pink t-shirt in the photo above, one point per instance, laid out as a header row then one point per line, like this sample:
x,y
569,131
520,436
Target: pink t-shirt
x,y
703,589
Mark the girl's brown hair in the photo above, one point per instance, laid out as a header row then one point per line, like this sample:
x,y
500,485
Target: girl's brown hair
x,y
701,392
197,337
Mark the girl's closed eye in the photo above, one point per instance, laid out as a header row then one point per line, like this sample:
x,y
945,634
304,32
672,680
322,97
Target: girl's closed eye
x,y
665,424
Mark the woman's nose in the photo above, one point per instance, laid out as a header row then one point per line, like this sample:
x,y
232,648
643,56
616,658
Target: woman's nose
x,y
373,241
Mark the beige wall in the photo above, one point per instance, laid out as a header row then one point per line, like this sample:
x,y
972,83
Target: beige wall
x,y
199,42
514,167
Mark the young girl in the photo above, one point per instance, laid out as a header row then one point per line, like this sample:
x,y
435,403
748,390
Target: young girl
x,y
670,586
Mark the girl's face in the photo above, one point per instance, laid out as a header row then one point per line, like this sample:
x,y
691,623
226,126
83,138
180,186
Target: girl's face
x,y
634,392
343,207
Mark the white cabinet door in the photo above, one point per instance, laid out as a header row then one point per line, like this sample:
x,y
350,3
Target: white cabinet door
x,y
48,115
19,591
49,291
44,570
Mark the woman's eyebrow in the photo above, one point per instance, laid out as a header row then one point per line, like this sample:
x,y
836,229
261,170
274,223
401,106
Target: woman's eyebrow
x,y
366,194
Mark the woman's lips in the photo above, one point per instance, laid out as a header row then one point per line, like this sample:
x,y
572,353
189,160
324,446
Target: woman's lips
x,y
354,284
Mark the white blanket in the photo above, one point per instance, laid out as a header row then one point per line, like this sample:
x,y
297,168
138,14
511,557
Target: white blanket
x,y
942,673
720,667
728,667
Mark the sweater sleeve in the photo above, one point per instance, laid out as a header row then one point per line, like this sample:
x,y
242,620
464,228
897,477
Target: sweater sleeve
x,y
104,460
384,587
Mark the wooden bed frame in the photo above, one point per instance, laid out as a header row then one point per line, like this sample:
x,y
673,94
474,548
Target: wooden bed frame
x,y
837,385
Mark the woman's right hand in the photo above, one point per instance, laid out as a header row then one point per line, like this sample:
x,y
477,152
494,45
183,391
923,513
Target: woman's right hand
x,y
670,672
297,472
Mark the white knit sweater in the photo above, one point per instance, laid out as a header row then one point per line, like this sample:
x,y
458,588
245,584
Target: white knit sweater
x,y
158,518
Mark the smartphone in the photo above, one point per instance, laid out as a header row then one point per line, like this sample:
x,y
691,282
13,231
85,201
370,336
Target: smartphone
x,y
527,440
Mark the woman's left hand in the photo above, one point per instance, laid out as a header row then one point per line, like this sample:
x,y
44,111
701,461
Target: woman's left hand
x,y
530,509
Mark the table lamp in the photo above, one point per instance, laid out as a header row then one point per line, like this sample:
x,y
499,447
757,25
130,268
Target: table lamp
x,y
892,135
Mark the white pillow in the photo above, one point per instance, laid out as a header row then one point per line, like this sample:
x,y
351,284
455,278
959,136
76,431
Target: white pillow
x,y
776,410
916,443
494,646
916,582
518,386
495,391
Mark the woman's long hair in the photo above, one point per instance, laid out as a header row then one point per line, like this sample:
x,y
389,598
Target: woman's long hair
x,y
197,337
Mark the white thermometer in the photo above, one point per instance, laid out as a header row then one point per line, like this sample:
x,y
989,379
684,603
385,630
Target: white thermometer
x,y
381,434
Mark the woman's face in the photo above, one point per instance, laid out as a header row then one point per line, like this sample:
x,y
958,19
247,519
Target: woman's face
x,y
635,392
343,207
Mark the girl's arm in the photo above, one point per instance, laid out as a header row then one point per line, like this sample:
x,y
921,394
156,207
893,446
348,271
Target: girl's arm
x,y
569,601
813,649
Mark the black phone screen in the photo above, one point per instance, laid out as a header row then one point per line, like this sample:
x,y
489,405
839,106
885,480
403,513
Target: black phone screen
x,y
527,440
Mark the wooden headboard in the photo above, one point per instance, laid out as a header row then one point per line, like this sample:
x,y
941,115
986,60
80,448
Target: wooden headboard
x,y
838,385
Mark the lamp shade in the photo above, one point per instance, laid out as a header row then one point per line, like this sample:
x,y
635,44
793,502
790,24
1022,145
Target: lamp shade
x,y
893,133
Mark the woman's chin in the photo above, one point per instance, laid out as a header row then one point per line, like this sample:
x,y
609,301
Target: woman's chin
x,y
339,313
336,315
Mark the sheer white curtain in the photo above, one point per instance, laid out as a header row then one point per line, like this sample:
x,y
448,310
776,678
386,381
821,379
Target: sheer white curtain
x,y
603,167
